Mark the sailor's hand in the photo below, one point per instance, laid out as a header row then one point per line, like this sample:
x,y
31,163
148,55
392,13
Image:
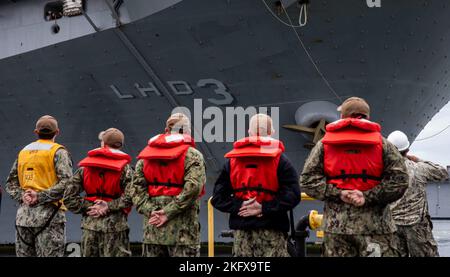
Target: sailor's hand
x,y
253,209
30,197
345,196
413,158
26,199
158,218
248,202
92,211
100,208
357,198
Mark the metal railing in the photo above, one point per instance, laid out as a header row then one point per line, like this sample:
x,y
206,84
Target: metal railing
x,y
210,228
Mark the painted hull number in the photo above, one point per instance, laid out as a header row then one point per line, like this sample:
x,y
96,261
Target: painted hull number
x,y
179,88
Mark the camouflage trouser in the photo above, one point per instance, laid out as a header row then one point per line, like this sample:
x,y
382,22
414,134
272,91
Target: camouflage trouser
x,y
48,243
338,245
417,240
260,243
158,250
102,244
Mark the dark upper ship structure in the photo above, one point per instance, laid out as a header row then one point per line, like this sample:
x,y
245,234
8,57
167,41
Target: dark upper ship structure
x,y
101,63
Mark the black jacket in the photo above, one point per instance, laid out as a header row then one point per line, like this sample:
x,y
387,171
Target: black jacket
x,y
274,212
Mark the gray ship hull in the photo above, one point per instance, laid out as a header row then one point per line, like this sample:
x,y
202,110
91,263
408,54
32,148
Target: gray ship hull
x,y
394,56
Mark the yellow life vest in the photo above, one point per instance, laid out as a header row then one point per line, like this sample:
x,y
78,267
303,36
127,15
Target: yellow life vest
x,y
36,166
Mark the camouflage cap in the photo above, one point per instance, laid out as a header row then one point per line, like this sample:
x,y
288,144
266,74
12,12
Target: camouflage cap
x,y
261,125
179,123
112,137
354,106
46,124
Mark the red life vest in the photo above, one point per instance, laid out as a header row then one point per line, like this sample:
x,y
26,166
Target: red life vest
x,y
164,163
101,174
353,154
253,167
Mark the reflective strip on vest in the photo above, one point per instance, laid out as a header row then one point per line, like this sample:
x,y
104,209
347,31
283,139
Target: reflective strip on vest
x,y
38,146
117,151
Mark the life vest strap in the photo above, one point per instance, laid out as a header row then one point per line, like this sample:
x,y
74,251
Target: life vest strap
x,y
258,189
170,185
103,195
364,176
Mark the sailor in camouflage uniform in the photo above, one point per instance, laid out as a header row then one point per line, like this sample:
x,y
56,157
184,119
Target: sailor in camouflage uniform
x,y
357,173
103,175
257,187
168,182
37,182
411,213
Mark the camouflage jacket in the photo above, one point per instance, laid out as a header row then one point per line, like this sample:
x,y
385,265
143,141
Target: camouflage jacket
x,y
413,206
183,227
374,217
115,221
37,216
